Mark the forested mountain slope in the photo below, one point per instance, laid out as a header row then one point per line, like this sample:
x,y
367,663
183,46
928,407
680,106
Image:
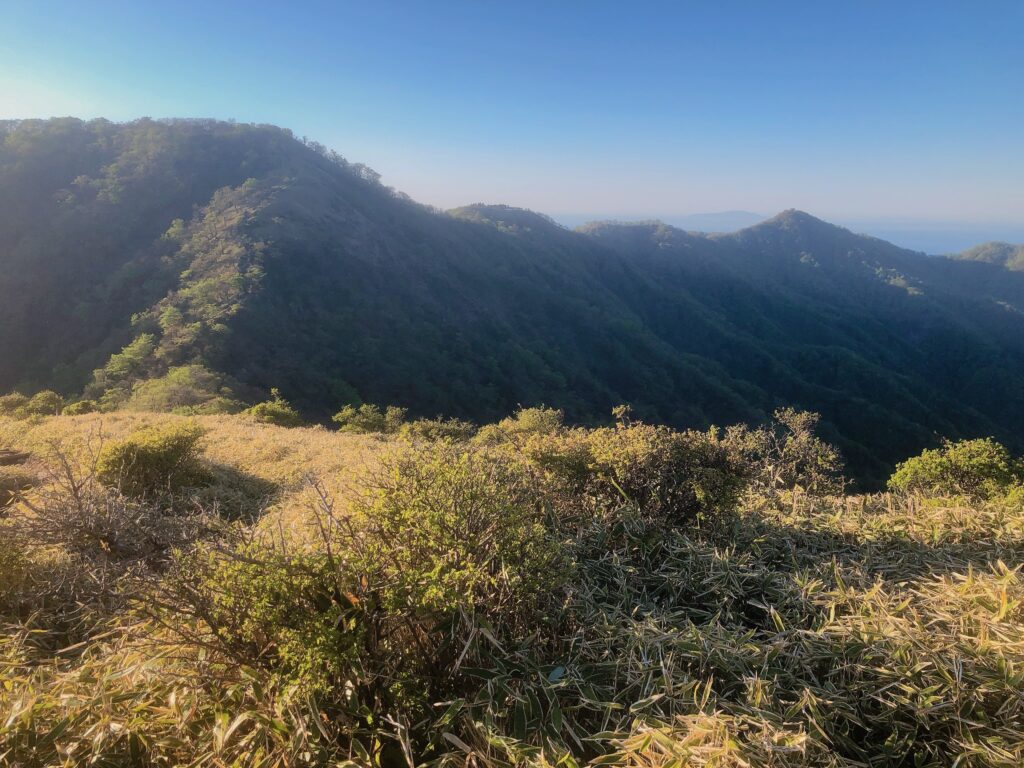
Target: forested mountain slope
x,y
229,259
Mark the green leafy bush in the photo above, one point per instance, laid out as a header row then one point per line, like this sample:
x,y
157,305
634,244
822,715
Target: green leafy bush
x,y
978,469
45,403
153,460
81,407
370,418
19,406
678,477
449,528
272,605
1015,496
787,454
276,411
455,430
13,404
521,424
185,389
443,555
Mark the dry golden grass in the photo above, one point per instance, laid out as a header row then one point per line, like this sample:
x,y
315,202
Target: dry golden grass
x,y
283,459
844,632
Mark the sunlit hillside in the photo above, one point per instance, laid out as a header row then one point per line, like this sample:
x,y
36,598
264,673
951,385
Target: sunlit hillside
x,y
195,264
215,591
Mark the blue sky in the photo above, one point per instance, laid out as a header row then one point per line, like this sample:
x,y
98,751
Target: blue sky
x,y
855,111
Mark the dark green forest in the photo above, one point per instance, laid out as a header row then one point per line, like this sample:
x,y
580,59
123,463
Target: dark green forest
x,y
194,265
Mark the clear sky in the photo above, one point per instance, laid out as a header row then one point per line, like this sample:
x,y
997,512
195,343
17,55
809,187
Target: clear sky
x,y
851,110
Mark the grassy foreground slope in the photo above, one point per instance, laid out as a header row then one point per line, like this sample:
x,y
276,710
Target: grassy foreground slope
x,y
214,592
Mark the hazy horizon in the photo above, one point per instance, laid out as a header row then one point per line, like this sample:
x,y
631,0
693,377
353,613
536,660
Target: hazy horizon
x,y
899,122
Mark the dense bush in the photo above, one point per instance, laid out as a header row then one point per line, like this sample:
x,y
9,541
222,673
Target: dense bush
x,y
153,460
80,407
977,469
370,418
441,561
13,404
787,455
276,411
438,429
45,403
268,604
17,405
185,389
677,477
524,422
449,528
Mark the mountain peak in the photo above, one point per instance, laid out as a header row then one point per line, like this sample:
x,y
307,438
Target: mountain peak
x,y
792,217
792,223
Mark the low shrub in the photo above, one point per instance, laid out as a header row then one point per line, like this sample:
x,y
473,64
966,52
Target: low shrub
x,y
451,528
1015,497
369,418
80,408
96,523
678,477
13,404
268,604
977,469
45,403
153,460
185,389
19,406
276,411
521,424
439,563
455,430
80,551
787,455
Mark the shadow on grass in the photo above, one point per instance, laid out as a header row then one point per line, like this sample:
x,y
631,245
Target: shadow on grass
x,y
235,495
787,543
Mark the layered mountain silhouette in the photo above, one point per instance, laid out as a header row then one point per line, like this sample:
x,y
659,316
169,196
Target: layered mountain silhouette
x,y
210,261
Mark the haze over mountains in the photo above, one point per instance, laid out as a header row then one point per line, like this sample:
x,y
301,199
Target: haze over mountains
x,y
1003,254
718,221
925,236
199,263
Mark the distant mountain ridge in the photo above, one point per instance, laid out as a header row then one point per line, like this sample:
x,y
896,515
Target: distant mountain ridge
x,y
199,263
1003,254
712,222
